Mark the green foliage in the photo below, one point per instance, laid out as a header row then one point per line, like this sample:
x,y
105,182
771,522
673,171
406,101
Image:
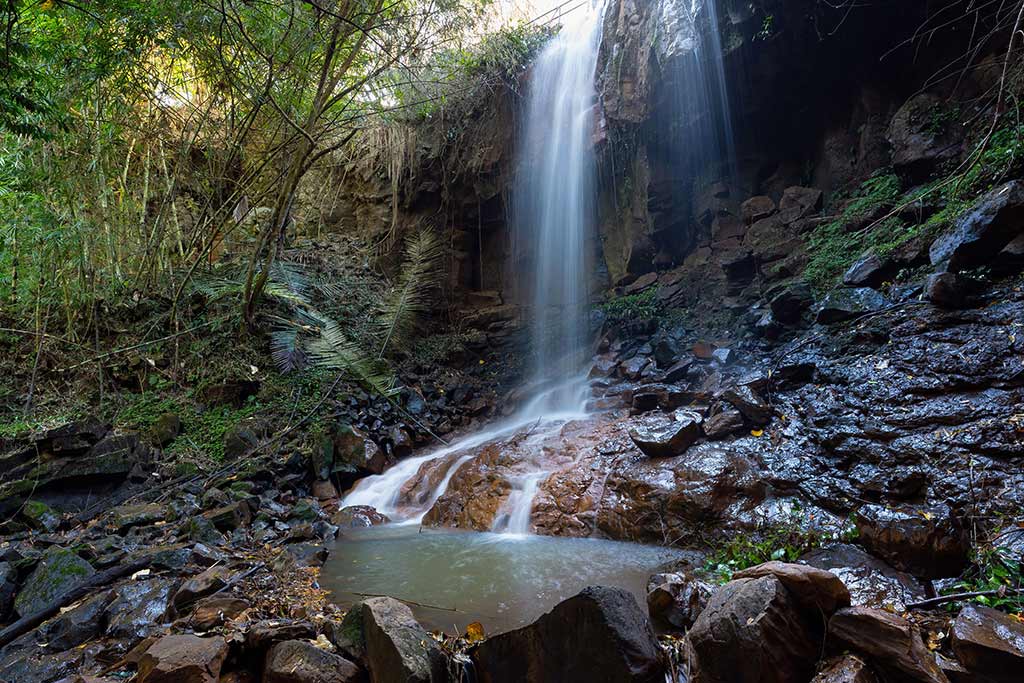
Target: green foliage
x,y
642,306
994,569
437,349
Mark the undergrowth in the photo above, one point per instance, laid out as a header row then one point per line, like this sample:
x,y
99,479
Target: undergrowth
x,y
993,571
631,307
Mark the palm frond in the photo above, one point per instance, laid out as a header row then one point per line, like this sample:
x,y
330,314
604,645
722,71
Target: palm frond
x,y
334,350
287,350
422,274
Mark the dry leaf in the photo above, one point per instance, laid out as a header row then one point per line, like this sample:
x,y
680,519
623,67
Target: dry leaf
x,y
475,632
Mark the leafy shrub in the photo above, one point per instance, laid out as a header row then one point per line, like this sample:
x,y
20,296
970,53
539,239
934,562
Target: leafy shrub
x,y
642,306
994,570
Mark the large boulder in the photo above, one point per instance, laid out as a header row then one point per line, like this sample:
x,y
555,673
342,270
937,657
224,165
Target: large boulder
x,y
892,643
820,593
980,234
665,439
841,305
927,542
598,635
183,659
753,631
391,643
871,582
921,138
59,571
299,661
139,608
205,583
676,600
989,642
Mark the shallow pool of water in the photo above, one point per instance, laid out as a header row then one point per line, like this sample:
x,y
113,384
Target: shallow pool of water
x,y
500,580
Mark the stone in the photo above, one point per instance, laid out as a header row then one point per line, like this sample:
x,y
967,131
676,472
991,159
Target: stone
x,y
324,490
677,371
232,393
890,642
920,146
125,517
841,305
214,498
395,646
724,423
871,581
756,208
632,368
666,352
599,634
215,610
981,233
8,589
355,452
59,571
401,442
946,290
74,438
230,517
799,202
240,439
928,542
297,661
640,284
261,635
165,430
604,366
749,403
183,659
77,625
674,601
358,517
40,516
845,669
753,631
870,270
789,304
205,583
139,608
662,440
989,642
820,593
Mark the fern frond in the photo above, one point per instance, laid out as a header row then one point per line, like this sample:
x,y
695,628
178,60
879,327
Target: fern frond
x,y
334,350
286,348
422,275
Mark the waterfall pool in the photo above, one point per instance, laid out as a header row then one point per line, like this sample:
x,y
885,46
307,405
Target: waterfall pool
x,y
503,581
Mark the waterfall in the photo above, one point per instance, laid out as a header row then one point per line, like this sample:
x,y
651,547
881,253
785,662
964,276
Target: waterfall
x,y
555,196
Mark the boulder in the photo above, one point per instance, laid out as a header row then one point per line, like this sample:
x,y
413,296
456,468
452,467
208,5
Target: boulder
x,y
77,625
788,304
756,208
59,571
724,423
139,608
392,643
598,635
40,516
946,290
297,661
892,643
640,284
674,601
841,305
845,669
199,586
989,642
980,234
230,517
871,581
355,453
820,593
753,631
8,589
125,517
215,610
799,202
870,270
926,541
358,517
165,430
665,439
183,659
749,403
921,139
262,635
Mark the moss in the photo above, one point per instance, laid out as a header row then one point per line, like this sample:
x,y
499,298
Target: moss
x,y
642,306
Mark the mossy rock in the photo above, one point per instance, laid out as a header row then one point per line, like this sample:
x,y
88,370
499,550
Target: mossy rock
x,y
40,516
59,571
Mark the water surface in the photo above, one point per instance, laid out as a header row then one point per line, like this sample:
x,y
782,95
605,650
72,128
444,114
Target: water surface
x,y
501,580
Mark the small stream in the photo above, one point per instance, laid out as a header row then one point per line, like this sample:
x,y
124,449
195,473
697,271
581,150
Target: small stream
x,y
504,581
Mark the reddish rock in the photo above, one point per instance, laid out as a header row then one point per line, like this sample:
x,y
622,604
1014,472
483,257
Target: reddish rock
x,y
925,541
215,610
297,661
845,669
183,659
989,642
820,593
199,586
756,208
799,202
665,439
891,643
676,600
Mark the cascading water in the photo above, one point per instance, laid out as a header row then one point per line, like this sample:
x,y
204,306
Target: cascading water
x,y
554,215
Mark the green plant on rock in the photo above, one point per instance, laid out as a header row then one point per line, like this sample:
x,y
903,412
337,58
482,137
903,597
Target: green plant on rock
x,y
999,575
631,307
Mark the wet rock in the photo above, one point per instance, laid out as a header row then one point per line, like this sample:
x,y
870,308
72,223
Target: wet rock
x,y
845,669
139,608
604,366
892,643
127,516
215,610
632,368
946,290
676,600
395,646
820,593
165,430
183,659
305,510
989,642
199,586
200,529
74,438
665,439
77,625
40,516
262,635
640,284
789,304
666,352
307,554
8,588
677,371
401,442
749,403
59,571
214,498
756,208
871,582
870,270
323,490
983,231
752,630
799,202
296,661
355,452
840,305
724,423
919,147
927,542
358,517
230,517
598,635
